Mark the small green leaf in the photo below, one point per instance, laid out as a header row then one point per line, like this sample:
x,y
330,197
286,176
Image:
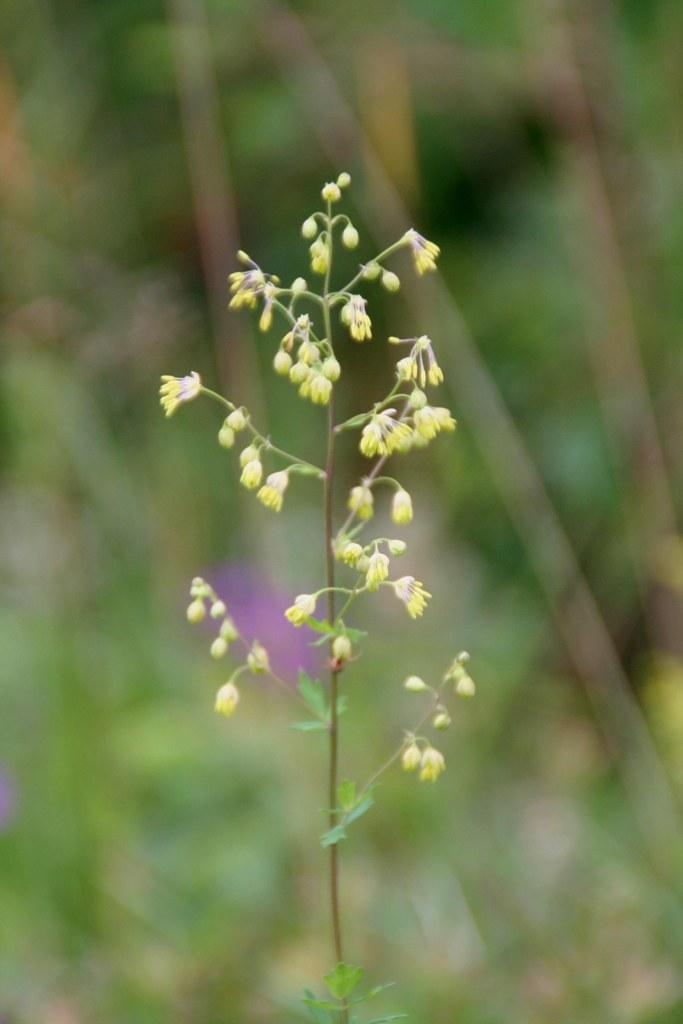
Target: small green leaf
x,y
372,992
308,726
319,626
333,836
318,1014
343,979
313,694
346,794
361,808
392,1016
354,635
319,1004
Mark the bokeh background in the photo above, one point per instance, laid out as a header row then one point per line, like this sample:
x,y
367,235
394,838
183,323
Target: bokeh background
x,y
158,864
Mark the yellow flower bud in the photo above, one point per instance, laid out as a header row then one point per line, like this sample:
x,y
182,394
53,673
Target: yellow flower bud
x,y
282,363
351,553
320,388
309,228
226,436
330,192
218,647
320,255
218,609
272,492
432,765
248,454
331,368
361,502
341,648
411,757
441,720
371,271
304,605
414,684
397,547
417,399
344,179
391,281
228,630
257,659
251,474
299,373
237,420
196,611
299,284
227,699
402,508
465,686
350,237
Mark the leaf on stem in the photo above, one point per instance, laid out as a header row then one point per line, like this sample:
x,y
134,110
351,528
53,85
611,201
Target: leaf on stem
x,y
343,979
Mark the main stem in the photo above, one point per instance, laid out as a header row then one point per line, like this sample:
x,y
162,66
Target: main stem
x,y
329,575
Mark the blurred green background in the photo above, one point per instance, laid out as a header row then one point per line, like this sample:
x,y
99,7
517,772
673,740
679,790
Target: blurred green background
x,y
157,864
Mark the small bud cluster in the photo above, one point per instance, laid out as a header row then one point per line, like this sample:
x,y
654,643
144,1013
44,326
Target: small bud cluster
x,y
418,752
204,597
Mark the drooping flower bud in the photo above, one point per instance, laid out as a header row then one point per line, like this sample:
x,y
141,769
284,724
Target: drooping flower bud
x,y
411,757
402,508
309,228
282,362
390,281
196,611
237,420
227,699
414,684
350,237
341,648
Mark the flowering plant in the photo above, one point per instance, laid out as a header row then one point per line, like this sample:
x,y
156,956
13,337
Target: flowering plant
x,y
402,421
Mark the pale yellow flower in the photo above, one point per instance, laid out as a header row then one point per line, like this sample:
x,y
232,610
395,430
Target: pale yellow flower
x,y
378,570
412,593
271,494
356,319
425,253
176,391
384,434
303,607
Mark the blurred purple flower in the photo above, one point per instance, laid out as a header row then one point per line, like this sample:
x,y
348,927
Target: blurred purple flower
x,y
8,800
257,605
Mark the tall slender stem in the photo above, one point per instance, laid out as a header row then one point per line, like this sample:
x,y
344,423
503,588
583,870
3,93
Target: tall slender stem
x,y
329,575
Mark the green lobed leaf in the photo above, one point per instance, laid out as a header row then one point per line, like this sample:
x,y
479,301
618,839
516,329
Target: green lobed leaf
x,y
343,979
361,808
319,1014
315,726
333,836
313,694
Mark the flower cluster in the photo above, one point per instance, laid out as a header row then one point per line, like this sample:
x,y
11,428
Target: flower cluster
x,y
309,355
203,597
418,751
